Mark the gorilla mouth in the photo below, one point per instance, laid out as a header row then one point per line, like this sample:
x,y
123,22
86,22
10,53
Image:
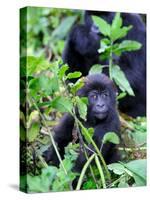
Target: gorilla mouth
x,y
100,115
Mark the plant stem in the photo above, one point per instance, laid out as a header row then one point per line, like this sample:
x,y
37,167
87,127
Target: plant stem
x,y
100,171
97,150
110,61
83,171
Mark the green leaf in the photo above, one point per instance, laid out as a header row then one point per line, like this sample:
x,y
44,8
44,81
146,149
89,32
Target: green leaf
x,y
33,132
111,137
62,104
82,107
89,184
128,45
46,84
87,133
62,71
117,168
121,80
74,75
117,23
121,95
104,27
138,168
42,182
96,69
34,117
76,86
104,45
120,33
35,65
91,132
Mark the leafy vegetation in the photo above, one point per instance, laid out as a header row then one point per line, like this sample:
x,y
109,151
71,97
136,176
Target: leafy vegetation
x,y
44,97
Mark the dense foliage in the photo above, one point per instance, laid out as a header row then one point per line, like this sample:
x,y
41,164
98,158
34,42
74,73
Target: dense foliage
x,y
45,96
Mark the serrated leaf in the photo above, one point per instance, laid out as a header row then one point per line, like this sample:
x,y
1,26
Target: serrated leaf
x,y
104,27
121,80
74,75
111,137
62,104
96,69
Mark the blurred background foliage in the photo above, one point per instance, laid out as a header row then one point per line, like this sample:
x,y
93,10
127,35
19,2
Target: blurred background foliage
x,y
46,30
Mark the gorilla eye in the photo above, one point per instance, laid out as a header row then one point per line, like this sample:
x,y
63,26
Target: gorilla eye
x,y
94,96
104,95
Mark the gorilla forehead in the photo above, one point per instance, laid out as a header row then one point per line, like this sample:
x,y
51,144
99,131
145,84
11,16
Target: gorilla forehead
x,y
97,82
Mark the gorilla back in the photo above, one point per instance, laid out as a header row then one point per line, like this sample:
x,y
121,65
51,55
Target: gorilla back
x,y
81,52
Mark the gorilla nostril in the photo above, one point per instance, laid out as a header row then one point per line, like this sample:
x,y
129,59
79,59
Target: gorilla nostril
x,y
100,106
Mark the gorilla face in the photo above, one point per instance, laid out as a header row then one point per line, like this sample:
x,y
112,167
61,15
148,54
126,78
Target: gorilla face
x,y
99,103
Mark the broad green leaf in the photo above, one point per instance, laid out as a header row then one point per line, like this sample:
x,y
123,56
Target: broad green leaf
x,y
104,27
82,107
62,30
111,137
139,170
33,132
62,104
96,69
121,80
74,75
128,45
117,168
139,137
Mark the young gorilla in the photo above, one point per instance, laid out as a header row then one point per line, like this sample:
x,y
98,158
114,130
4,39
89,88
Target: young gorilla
x,y
81,52
102,115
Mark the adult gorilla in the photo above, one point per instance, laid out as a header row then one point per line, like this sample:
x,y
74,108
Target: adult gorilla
x,y
81,53
102,115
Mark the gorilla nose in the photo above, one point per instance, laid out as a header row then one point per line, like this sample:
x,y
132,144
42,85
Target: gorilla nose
x,y
100,106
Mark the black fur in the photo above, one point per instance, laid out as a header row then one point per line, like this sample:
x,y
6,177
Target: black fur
x,y
81,53
101,123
